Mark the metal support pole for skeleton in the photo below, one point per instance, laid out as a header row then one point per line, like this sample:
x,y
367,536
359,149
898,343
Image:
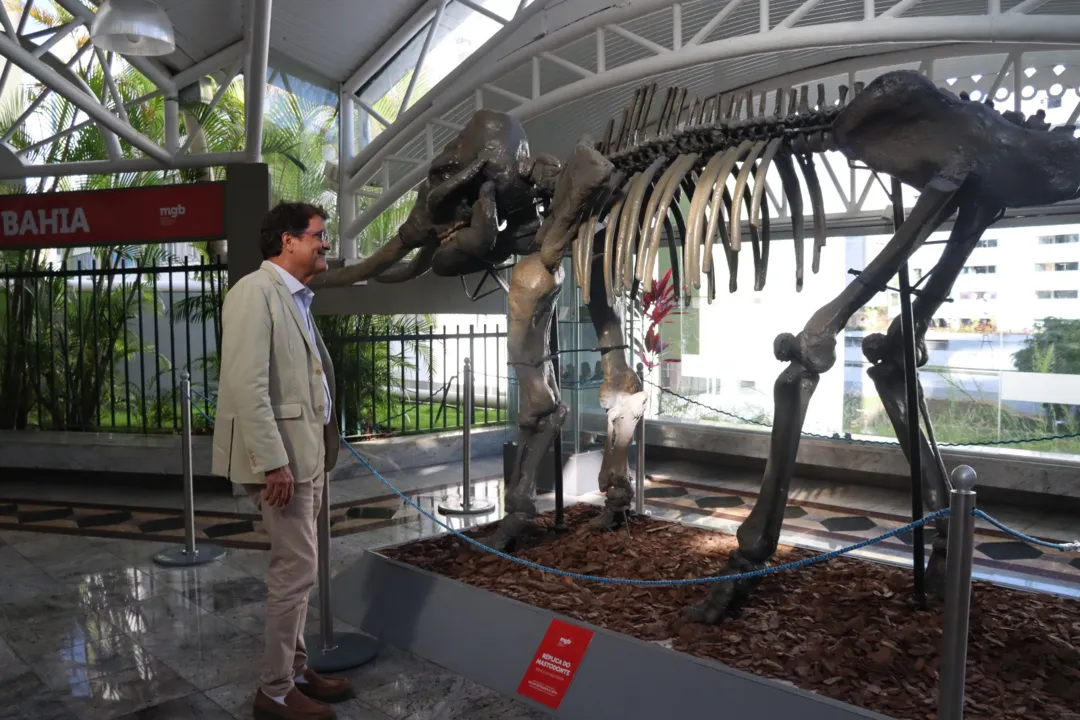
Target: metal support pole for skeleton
x,y
327,651
556,368
468,504
907,324
639,495
957,594
188,555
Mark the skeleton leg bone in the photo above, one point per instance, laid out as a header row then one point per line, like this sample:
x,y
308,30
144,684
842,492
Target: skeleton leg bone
x,y
622,396
534,290
808,355
886,352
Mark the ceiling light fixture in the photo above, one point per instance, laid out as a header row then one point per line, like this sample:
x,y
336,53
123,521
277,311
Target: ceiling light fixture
x,y
132,27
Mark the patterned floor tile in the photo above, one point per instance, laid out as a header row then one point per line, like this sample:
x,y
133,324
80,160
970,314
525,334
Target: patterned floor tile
x,y
227,529
1009,550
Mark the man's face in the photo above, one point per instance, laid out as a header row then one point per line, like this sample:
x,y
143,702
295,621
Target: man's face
x,y
307,249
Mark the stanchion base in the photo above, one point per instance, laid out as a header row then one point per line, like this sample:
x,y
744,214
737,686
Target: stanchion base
x,y
350,650
179,556
457,507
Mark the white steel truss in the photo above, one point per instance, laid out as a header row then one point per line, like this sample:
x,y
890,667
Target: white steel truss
x,y
35,54
764,44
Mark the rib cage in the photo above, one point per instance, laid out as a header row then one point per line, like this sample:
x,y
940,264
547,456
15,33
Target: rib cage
x,y
695,148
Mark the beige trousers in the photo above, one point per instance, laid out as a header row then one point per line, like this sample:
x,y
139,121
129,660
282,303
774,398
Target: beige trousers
x,y
294,561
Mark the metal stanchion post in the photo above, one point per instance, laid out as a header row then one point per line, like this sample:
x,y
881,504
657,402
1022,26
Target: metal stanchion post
x,y
639,496
327,651
189,555
957,594
468,504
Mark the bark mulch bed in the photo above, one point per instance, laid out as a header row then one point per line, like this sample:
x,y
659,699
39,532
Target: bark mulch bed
x,y
845,628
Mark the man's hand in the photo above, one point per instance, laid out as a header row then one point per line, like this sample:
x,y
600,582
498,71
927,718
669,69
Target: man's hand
x,y
279,487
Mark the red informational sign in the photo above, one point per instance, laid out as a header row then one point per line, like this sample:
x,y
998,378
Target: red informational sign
x,y
163,213
555,663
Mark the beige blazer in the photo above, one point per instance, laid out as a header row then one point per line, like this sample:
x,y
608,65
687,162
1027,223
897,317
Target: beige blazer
x,y
270,394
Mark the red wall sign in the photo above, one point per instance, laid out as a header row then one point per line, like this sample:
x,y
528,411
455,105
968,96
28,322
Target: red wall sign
x,y
555,663
163,213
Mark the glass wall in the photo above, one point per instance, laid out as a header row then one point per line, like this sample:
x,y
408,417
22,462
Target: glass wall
x,y
1004,351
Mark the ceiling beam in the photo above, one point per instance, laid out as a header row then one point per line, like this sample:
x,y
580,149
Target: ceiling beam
x,y
18,55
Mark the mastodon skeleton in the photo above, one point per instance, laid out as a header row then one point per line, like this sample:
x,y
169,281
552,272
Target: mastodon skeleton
x,y
486,198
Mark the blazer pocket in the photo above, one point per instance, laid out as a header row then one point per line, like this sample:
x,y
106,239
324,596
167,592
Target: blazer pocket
x,y
286,411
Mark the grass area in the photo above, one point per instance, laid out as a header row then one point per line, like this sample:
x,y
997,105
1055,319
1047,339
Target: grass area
x,y
405,421
964,420
396,421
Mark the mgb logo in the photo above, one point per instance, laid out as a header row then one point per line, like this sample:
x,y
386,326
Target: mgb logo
x,y
174,211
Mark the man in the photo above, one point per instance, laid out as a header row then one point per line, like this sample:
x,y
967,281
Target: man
x,y
276,435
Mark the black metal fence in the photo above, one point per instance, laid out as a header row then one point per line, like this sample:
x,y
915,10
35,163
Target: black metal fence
x,y
100,346
404,383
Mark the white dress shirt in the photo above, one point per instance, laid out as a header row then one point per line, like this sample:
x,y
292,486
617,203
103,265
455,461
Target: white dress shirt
x,y
302,296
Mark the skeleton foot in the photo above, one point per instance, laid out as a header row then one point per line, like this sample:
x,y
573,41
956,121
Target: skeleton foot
x,y
620,496
725,597
512,528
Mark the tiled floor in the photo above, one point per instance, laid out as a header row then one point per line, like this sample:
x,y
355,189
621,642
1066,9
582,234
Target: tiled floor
x,y
91,628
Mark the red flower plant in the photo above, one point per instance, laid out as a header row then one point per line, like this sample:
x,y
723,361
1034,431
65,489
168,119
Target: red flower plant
x,y
656,305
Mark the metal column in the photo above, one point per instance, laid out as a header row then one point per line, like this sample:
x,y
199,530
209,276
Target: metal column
x,y
189,555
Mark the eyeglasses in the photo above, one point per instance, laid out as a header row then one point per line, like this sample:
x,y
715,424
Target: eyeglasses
x,y
321,235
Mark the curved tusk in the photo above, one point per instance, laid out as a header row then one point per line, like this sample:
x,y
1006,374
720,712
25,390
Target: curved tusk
x,y
407,271
383,259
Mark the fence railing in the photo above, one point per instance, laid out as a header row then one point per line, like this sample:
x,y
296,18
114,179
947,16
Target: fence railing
x,y
101,346
411,382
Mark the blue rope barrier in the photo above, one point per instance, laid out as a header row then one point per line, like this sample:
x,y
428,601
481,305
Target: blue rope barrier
x,y
651,583
806,562
1062,547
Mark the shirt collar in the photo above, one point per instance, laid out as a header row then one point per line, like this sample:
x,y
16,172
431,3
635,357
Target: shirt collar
x,y
295,286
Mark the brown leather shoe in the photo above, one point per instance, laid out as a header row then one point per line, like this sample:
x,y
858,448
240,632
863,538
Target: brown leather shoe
x,y
297,707
325,689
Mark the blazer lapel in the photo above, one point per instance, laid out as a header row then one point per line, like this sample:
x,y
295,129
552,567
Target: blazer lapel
x,y
290,305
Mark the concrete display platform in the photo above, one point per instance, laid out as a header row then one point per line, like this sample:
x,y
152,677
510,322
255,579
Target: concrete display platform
x,y
493,641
